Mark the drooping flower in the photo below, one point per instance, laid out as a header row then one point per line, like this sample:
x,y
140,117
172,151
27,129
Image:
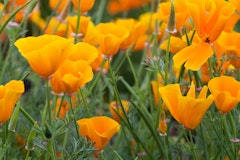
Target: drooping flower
x,y
115,107
98,129
187,110
111,36
70,76
209,18
44,53
226,92
9,95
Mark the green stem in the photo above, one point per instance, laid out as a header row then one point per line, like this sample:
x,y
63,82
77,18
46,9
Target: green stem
x,y
60,106
48,106
51,149
192,145
78,21
30,119
97,78
84,101
167,61
100,11
74,119
132,69
204,142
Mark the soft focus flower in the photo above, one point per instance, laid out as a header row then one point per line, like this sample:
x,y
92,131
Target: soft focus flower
x,y
187,110
181,12
9,95
85,5
209,19
226,92
70,76
83,51
134,27
44,53
111,36
115,107
83,24
98,129
115,6
155,89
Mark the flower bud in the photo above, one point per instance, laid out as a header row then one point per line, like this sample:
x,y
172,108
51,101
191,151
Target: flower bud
x,y
171,26
14,119
30,145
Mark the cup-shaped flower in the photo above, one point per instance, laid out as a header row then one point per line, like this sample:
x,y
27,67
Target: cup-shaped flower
x,y
116,109
85,5
226,92
83,51
134,27
9,95
44,53
98,129
70,76
187,110
209,19
111,36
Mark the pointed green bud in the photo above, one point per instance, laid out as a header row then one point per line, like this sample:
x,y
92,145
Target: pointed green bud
x,y
30,140
171,26
14,119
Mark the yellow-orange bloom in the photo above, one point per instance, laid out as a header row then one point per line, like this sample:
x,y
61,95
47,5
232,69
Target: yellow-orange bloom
x,y
9,95
85,5
98,129
187,110
44,53
135,29
226,92
115,107
70,76
111,36
209,19
83,51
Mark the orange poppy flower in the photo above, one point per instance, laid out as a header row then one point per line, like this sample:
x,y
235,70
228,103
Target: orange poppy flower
x,y
83,26
135,29
83,51
111,36
181,12
9,95
115,107
226,92
98,129
44,53
85,5
70,76
187,110
96,64
209,19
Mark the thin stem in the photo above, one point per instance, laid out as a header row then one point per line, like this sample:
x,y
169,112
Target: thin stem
x,y
48,106
192,145
60,106
100,11
74,119
167,61
132,69
204,142
30,119
84,101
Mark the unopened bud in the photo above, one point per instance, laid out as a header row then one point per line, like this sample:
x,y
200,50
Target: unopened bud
x,y
14,119
30,140
162,127
171,26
